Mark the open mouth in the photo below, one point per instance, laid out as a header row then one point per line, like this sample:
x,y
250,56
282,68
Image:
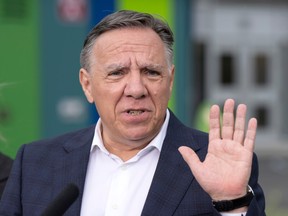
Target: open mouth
x,y
135,112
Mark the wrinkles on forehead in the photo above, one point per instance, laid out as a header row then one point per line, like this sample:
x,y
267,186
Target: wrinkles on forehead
x,y
123,47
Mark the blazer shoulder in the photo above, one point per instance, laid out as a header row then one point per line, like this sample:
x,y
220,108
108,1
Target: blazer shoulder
x,y
179,130
55,145
73,136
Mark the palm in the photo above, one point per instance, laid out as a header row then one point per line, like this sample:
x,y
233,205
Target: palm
x,y
225,172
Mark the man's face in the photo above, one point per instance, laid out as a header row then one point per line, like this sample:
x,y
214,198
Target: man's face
x,y
130,83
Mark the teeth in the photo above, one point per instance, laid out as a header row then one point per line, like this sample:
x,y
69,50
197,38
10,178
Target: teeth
x,y
135,112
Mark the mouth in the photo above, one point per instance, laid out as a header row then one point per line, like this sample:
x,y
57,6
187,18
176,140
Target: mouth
x,y
135,112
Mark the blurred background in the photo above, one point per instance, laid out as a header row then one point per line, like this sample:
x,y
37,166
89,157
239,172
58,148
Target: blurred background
x,y
224,49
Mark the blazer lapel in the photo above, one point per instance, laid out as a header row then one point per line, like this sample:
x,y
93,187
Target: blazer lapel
x,y
172,176
72,166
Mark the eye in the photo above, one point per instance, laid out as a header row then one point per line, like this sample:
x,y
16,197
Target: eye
x,y
116,73
152,73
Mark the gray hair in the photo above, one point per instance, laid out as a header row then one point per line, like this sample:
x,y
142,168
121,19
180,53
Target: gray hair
x,y
127,19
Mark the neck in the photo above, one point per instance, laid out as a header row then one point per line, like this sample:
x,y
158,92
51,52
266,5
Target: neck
x,y
122,151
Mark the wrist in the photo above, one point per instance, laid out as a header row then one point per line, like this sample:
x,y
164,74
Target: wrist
x,y
230,194
235,205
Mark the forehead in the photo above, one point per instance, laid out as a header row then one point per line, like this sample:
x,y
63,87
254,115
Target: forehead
x,y
128,39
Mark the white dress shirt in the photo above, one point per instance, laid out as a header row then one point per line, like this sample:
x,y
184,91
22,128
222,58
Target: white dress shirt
x,y
117,188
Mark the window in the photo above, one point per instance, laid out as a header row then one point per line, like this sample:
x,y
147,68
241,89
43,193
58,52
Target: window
x,y
227,72
260,69
262,116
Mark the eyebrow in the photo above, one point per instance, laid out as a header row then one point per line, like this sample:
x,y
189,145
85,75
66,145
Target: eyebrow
x,y
116,66
156,67
112,67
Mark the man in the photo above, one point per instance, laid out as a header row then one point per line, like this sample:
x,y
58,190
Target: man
x,y
129,164
5,167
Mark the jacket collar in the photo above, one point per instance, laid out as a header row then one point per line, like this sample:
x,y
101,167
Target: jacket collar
x,y
172,176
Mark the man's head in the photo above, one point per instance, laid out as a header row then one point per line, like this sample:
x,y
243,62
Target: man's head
x,y
127,72
127,19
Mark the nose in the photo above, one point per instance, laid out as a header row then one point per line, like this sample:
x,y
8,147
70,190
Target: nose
x,y
135,86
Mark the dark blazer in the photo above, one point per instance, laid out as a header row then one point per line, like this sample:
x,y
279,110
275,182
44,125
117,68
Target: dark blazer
x,y
42,169
5,167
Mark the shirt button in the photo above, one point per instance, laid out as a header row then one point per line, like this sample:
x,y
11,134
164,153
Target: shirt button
x,y
123,168
114,206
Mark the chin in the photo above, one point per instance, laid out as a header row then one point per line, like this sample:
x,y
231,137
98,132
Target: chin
x,y
138,135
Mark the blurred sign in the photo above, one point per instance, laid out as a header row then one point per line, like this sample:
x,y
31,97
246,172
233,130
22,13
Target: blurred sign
x,y
72,110
72,10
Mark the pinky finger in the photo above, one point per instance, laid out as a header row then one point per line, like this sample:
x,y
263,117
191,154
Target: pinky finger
x,y
250,137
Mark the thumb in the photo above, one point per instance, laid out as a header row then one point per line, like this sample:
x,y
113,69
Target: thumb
x,y
190,157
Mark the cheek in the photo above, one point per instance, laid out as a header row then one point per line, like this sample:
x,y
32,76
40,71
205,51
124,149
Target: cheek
x,y
106,97
164,89
161,96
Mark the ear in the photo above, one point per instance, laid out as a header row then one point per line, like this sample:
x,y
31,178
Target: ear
x,y
85,81
172,78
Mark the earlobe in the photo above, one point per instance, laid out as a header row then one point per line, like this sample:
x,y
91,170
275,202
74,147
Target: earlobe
x,y
85,81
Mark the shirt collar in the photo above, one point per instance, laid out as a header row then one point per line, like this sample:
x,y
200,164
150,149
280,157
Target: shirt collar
x,y
156,142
